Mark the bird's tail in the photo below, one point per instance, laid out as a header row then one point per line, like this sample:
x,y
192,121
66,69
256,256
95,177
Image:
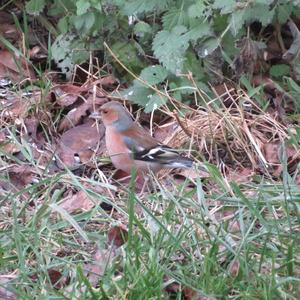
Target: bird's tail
x,y
164,155
179,162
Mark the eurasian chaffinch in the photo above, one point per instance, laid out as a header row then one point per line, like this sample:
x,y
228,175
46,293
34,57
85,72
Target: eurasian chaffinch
x,y
130,146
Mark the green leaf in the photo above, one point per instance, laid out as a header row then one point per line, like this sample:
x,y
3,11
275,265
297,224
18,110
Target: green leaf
x,y
175,17
198,31
154,102
226,7
154,74
142,6
82,7
128,53
85,22
141,28
35,7
294,85
61,50
207,47
280,70
63,25
169,47
197,10
137,93
283,12
258,12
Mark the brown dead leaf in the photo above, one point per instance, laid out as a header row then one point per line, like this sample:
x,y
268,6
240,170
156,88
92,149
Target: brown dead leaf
x,y
271,151
21,175
101,259
234,267
172,289
5,287
240,175
10,32
78,201
16,106
6,17
13,67
74,116
103,81
9,148
248,58
164,131
297,180
66,94
2,137
117,236
193,174
82,140
16,177
190,294
56,278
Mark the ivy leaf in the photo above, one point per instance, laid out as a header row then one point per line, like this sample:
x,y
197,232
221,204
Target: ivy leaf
x,y
169,47
154,74
35,7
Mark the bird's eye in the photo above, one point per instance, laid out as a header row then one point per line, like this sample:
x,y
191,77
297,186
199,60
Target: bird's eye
x,y
105,111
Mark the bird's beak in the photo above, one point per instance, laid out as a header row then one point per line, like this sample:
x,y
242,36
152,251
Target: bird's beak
x,y
95,115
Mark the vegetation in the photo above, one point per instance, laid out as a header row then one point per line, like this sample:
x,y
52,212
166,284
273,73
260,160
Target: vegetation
x,y
219,80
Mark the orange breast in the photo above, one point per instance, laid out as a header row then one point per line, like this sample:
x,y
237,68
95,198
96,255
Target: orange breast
x,y
118,151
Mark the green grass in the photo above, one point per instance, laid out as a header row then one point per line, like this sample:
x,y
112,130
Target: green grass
x,y
187,236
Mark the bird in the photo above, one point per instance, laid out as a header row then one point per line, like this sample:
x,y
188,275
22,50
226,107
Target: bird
x,y
130,146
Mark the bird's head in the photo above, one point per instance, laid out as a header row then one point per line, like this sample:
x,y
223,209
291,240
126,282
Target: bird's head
x,y
114,114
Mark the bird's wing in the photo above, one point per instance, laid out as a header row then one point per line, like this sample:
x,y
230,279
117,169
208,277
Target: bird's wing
x,y
137,139
145,148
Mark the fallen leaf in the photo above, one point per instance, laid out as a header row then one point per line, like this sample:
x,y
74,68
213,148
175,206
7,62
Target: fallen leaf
x,y
164,131
21,175
79,200
82,141
13,67
75,115
56,278
16,177
271,151
193,174
16,106
101,259
5,287
117,236
9,32
66,94
190,294
234,267
240,175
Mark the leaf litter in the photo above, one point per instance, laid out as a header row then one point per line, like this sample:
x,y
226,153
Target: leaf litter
x,y
56,131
